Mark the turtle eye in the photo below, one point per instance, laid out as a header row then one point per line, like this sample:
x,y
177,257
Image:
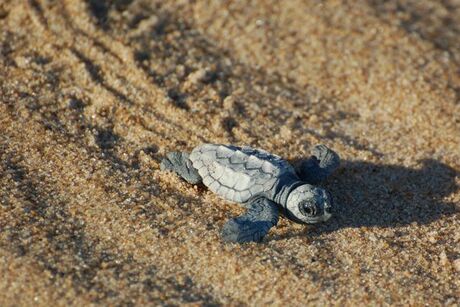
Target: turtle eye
x,y
308,209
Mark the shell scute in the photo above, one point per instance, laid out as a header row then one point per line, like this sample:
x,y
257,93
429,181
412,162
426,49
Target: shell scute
x,y
224,152
253,163
207,180
214,186
217,171
228,179
238,157
243,182
229,194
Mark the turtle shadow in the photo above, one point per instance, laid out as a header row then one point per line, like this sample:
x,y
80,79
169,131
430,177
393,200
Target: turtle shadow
x,y
372,195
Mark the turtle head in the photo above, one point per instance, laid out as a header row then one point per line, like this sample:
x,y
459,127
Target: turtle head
x,y
309,204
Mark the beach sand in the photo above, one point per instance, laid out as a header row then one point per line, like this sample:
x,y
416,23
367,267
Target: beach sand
x,y
94,93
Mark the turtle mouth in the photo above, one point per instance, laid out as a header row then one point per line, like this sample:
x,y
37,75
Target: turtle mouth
x,y
295,219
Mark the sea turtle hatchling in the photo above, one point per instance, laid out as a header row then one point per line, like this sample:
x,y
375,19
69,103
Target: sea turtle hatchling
x,y
262,182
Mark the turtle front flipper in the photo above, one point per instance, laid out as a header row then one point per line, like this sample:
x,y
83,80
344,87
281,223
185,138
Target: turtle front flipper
x,y
262,214
180,163
323,162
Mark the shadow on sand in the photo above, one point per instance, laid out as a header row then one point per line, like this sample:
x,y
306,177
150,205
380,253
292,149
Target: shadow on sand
x,y
371,195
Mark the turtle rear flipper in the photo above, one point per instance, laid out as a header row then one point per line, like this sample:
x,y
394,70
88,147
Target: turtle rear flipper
x,y
323,162
252,226
180,163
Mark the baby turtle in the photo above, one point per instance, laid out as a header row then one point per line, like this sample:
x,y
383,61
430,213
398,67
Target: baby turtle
x,y
262,182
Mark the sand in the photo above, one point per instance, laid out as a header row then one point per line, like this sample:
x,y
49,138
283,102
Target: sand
x,y
94,93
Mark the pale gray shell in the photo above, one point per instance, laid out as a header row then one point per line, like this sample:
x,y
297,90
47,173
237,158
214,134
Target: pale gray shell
x,y
238,173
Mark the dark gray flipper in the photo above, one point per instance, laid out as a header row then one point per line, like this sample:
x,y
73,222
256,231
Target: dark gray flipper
x,y
319,166
252,226
179,163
